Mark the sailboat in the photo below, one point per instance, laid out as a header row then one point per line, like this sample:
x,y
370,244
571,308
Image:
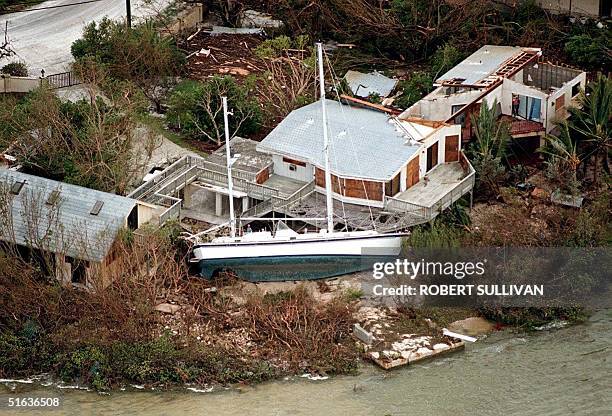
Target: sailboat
x,y
285,254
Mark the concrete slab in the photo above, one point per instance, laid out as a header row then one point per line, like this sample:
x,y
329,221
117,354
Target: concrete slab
x,y
286,186
441,180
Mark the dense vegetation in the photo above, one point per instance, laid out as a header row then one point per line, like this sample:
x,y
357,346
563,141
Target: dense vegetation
x,y
115,336
16,69
141,56
91,143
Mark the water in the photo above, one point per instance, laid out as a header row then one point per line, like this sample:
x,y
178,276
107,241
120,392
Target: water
x,y
557,372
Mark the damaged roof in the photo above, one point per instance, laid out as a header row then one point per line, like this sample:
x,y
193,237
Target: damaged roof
x,y
364,85
482,63
58,217
363,143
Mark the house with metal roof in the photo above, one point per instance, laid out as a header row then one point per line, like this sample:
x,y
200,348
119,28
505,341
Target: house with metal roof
x,y
386,172
373,156
532,93
72,226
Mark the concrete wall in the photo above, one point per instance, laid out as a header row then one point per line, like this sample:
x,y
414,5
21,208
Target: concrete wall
x,y
146,213
577,7
188,19
550,114
438,106
9,84
438,136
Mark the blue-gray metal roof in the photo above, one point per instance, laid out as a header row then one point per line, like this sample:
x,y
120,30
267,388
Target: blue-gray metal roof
x,y
65,226
480,64
363,85
363,143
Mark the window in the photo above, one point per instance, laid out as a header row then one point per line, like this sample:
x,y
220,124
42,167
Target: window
x,y
529,108
292,167
17,186
575,90
97,208
460,119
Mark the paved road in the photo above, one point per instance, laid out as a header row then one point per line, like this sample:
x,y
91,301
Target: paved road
x,y
42,38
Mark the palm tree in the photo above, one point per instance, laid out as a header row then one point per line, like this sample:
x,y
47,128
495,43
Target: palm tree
x,y
564,158
489,148
592,122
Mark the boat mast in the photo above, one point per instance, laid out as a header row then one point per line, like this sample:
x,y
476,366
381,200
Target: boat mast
x,y
229,169
328,184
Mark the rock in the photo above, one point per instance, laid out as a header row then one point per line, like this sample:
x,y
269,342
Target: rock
x,y
539,193
375,355
167,308
423,351
471,326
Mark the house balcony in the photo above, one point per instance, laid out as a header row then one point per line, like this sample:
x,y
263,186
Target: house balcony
x,y
439,189
523,128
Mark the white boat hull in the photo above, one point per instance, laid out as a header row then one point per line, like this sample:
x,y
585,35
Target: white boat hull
x,y
304,257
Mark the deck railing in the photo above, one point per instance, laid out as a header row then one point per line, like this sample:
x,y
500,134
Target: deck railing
x,y
278,202
430,212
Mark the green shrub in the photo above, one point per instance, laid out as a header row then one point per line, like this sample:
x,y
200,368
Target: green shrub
x,y
590,50
15,69
445,58
195,109
419,85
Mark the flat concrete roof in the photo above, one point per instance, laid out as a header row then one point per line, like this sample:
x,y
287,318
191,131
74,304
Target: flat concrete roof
x,y
250,159
482,63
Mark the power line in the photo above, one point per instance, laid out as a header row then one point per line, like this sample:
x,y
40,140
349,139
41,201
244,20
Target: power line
x,y
56,7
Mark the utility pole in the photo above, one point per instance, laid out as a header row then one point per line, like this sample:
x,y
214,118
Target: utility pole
x,y
128,9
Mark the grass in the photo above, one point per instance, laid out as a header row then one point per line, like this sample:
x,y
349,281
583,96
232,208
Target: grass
x,y
157,125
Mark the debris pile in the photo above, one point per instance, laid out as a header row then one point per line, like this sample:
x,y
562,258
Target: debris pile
x,y
221,53
384,338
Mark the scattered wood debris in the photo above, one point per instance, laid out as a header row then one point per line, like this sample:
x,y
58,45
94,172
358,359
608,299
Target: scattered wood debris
x,y
222,54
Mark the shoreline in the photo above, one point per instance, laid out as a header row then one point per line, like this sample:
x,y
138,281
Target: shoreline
x,y
47,381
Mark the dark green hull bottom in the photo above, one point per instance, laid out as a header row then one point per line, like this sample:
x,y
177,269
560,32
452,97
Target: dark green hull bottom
x,y
277,269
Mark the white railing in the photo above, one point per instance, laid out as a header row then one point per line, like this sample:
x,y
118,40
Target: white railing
x,y
399,205
172,212
453,195
279,203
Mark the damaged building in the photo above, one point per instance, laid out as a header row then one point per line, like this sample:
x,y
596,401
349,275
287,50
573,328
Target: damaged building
x,y
532,94
71,228
387,172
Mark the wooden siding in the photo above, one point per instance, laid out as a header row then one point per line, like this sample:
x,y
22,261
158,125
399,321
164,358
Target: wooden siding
x,y
412,176
352,188
393,186
263,176
357,188
337,184
293,161
451,150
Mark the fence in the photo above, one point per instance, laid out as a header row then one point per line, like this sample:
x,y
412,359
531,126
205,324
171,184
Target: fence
x,y
62,80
